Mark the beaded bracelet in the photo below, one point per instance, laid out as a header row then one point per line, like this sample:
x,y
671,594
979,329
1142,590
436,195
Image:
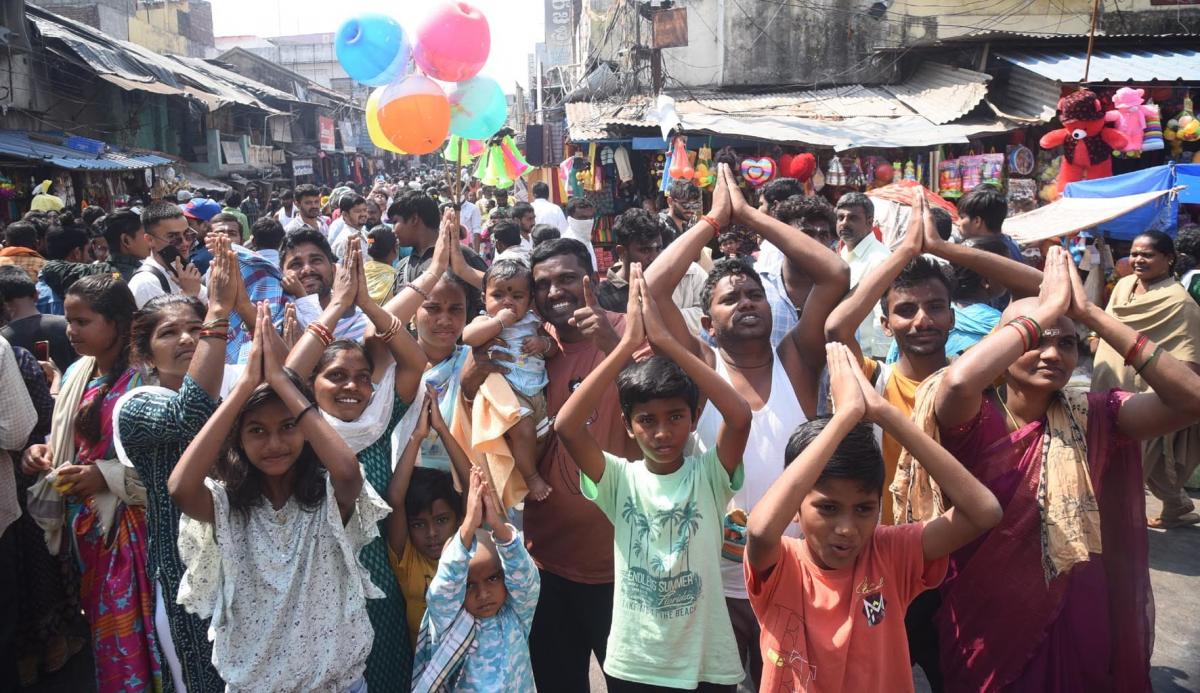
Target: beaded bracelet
x,y
320,332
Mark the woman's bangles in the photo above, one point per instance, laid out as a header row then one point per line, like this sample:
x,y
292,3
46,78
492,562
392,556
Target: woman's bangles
x,y
1139,346
215,329
1029,329
321,332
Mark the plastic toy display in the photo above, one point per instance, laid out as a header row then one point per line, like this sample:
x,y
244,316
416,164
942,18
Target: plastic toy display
x,y
1087,144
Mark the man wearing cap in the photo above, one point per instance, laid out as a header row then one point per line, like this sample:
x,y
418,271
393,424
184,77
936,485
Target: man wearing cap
x,y
199,212
182,197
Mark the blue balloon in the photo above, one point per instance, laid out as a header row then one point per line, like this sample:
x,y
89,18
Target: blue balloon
x,y
478,108
372,49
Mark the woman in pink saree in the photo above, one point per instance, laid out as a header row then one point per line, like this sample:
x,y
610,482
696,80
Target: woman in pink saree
x,y
1057,597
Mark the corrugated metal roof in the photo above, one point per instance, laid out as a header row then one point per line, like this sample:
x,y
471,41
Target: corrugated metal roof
x,y
1142,65
18,144
937,94
941,93
245,83
1026,97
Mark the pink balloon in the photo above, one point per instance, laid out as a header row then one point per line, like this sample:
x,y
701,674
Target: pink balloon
x,y
453,42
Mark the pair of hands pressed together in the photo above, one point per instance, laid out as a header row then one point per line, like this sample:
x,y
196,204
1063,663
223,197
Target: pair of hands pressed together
x,y
483,507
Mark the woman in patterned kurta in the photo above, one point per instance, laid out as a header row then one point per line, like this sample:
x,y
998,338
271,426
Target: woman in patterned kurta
x,y
363,393
152,427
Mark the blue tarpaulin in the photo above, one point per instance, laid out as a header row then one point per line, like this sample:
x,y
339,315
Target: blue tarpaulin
x,y
1162,214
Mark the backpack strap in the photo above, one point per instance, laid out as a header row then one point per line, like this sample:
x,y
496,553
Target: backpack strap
x,y
162,278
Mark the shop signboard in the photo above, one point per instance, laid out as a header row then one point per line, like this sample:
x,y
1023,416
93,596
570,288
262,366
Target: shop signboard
x,y
302,167
325,128
559,32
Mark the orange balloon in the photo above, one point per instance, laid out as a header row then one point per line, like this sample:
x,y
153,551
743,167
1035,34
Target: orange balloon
x,y
373,129
414,114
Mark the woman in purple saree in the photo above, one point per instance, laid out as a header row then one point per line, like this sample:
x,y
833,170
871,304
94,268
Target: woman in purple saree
x,y
1057,597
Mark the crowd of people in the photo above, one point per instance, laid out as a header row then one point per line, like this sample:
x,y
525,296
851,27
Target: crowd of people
x,y
411,438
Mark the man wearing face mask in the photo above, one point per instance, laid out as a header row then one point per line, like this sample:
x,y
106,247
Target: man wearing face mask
x,y
580,220
163,272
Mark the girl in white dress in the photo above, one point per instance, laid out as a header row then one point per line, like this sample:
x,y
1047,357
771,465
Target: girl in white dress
x,y
271,546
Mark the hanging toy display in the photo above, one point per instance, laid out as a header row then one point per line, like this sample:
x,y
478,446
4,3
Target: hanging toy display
x,y
372,49
802,167
1152,138
910,170
515,164
681,166
835,174
1087,144
950,179
1131,117
818,180
757,172
885,173
706,172
1189,126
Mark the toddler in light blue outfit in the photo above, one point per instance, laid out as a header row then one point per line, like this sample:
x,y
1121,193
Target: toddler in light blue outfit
x,y
507,300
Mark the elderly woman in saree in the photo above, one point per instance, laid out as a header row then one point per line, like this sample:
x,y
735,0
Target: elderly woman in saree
x,y
1152,302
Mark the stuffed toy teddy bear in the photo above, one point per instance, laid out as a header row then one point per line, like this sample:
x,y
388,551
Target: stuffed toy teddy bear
x,y
1087,144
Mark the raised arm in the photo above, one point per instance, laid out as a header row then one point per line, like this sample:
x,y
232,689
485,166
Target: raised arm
x,y
389,335
458,262
735,413
186,482
846,318
571,422
307,352
975,509
669,267
1021,279
829,274
337,457
224,284
961,392
1173,401
782,501
397,490
405,303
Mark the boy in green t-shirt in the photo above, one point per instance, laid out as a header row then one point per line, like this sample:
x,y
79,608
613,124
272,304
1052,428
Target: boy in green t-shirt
x,y
670,626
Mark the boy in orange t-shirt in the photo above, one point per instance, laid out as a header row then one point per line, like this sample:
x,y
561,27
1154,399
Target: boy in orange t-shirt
x,y
831,605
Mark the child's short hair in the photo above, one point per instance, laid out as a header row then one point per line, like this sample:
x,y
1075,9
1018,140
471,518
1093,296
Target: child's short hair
x,y
857,457
504,270
655,378
428,485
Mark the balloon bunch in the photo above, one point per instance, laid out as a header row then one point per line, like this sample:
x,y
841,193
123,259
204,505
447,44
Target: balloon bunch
x,y
410,112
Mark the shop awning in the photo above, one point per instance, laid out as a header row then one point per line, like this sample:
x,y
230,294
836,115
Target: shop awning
x,y
929,108
19,145
1110,65
1069,215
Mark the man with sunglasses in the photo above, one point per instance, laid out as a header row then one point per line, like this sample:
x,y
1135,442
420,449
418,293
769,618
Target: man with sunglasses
x,y
683,208
163,271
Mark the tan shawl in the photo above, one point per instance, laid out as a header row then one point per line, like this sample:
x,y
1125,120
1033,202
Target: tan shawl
x,y
1066,500
1165,313
46,504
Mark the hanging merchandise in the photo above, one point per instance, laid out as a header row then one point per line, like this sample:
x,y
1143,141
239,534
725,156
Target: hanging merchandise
x,y
884,174
463,151
607,164
1189,125
1132,117
624,168
1152,137
910,170
836,175
584,175
950,180
992,169
515,164
757,172
854,173
971,170
1020,160
802,168
8,190
706,172
1087,144
681,166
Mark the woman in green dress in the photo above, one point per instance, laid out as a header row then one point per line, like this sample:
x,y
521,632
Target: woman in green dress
x,y
363,392
182,344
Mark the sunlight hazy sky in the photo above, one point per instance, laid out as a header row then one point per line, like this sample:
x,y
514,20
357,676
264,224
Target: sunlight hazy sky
x,y
516,24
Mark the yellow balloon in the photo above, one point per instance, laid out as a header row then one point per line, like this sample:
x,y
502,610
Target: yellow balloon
x,y
373,129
